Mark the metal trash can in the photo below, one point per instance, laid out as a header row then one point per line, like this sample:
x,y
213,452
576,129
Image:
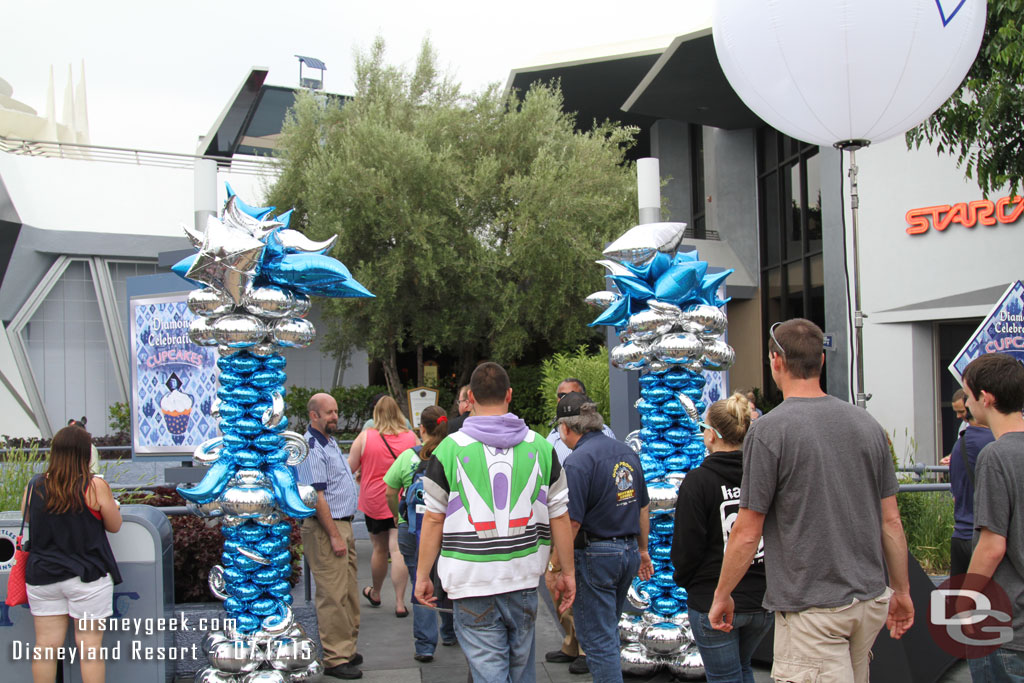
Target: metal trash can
x,y
140,633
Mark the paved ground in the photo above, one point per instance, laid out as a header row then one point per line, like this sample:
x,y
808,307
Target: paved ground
x,y
386,645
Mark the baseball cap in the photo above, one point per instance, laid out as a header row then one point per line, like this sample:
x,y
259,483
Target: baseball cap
x,y
569,405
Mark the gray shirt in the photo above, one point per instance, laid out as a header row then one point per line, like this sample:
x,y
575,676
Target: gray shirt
x,y
997,501
817,468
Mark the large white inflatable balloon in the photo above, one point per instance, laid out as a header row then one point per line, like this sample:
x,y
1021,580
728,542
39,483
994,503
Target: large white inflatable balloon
x,y
828,71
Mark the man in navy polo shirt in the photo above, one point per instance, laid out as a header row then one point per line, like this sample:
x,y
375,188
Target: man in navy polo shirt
x,y
328,542
608,509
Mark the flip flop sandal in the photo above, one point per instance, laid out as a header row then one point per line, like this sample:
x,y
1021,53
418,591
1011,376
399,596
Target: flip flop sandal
x,y
367,592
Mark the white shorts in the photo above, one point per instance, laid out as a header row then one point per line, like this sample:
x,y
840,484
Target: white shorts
x,y
78,600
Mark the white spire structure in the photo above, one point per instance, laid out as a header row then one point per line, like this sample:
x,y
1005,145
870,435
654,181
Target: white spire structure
x,y
81,110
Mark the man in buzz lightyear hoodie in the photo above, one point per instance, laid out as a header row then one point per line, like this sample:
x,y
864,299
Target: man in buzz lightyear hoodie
x,y
496,499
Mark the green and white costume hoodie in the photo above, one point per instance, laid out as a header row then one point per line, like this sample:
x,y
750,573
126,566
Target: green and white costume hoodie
x,y
498,485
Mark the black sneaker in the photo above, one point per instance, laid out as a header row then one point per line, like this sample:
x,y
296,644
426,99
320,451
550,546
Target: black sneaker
x,y
356,660
558,657
423,658
579,665
347,671
449,643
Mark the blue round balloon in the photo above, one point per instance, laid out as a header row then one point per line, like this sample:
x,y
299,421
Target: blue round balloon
x,y
673,408
659,449
247,458
645,407
245,590
275,362
680,594
664,579
265,576
647,434
657,421
664,527
677,463
665,605
662,552
246,622
233,604
246,564
678,435
250,532
676,379
658,393
651,379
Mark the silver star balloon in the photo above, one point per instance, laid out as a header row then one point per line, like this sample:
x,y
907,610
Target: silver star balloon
x,y
229,259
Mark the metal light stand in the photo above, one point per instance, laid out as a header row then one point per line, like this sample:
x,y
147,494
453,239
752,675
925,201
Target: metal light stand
x,y
851,146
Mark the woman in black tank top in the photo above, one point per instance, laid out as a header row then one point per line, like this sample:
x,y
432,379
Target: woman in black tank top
x,y
71,569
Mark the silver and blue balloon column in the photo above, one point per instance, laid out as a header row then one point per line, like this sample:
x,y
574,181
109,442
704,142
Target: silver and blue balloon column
x,y
258,276
669,320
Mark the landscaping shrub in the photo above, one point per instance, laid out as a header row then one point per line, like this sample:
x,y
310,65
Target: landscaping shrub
x,y
198,546
526,399
592,368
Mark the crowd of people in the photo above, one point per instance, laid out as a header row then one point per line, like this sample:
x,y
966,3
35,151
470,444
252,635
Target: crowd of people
x,y
790,521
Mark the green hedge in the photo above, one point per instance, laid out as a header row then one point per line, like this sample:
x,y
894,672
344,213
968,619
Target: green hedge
x,y
592,368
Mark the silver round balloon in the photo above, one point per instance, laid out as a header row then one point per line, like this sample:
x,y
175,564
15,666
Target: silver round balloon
x,y
273,415
640,243
689,406
211,639
675,478
710,317
629,356
638,598
656,366
232,520
217,584
651,617
634,441
289,654
269,519
296,446
210,674
239,331
293,333
209,302
650,324
663,498
308,495
215,408
264,349
236,656
201,332
677,347
311,674
301,306
248,477
224,350
602,300
691,327
665,307
270,301
636,661
247,502
265,676
630,628
208,510
664,638
687,666
718,356
296,631
208,451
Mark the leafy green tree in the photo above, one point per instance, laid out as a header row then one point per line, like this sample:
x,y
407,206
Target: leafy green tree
x,y
980,123
475,219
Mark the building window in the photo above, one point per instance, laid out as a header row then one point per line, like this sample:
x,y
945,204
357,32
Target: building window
x,y
789,215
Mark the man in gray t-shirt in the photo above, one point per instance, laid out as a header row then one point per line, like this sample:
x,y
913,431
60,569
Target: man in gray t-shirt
x,y
994,389
818,483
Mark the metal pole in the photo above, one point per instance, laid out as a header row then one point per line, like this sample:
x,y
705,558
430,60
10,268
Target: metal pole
x,y
861,397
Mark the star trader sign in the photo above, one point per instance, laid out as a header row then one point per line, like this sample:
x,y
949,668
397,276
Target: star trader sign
x,y
228,260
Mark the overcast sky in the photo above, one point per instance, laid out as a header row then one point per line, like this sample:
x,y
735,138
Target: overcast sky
x,y
158,74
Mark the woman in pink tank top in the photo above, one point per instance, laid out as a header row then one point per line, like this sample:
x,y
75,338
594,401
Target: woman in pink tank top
x,y
372,454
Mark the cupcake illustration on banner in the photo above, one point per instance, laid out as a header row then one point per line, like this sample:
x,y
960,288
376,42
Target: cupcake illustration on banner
x,y
177,408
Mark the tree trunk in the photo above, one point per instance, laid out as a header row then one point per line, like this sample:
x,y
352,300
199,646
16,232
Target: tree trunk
x,y
419,365
390,365
466,365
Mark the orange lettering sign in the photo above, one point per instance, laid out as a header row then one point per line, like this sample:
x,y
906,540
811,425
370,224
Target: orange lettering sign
x,y
969,214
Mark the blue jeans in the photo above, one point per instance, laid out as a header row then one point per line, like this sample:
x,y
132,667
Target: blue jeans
x,y
727,655
1002,665
424,619
496,635
604,570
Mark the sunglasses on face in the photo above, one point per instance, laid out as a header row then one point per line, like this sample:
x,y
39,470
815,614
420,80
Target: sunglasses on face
x,y
704,426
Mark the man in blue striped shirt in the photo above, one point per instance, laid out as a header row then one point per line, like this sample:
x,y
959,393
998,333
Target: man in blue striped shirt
x,y
328,541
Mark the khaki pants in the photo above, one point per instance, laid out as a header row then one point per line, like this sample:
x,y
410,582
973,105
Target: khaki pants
x,y
828,645
570,645
337,590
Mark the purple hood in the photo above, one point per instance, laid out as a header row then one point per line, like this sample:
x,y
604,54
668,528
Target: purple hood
x,y
497,431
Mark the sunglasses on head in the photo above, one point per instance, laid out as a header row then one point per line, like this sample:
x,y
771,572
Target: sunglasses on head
x,y
771,333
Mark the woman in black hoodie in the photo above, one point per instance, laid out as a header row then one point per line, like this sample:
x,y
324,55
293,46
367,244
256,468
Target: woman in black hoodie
x,y
709,500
